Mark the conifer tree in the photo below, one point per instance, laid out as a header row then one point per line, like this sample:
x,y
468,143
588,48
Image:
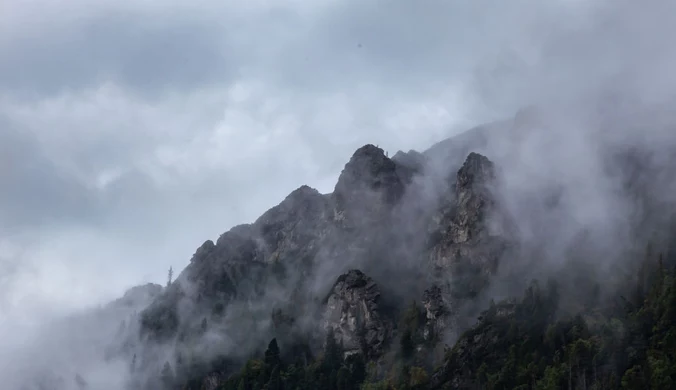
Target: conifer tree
x,y
272,357
170,276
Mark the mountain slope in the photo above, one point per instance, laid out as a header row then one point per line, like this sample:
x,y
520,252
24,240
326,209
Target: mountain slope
x,y
393,278
277,271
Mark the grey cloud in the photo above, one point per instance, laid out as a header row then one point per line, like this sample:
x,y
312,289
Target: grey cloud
x,y
404,47
341,72
146,55
34,191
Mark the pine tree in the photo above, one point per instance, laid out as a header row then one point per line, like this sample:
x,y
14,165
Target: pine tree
x,y
343,379
170,276
333,354
357,369
275,382
406,343
272,358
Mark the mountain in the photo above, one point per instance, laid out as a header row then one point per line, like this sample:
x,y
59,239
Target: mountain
x,y
411,274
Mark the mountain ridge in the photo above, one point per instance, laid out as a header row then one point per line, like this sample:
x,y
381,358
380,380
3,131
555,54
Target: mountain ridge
x,y
324,237
399,266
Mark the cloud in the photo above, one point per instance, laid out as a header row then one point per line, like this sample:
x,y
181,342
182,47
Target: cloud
x,y
35,191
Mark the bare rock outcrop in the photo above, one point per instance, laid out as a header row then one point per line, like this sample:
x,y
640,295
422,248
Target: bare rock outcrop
x,y
438,312
367,188
467,231
354,313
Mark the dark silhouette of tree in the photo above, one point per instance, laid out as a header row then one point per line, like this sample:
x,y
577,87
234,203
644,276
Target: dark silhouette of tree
x,y
343,379
275,382
406,343
272,355
170,276
333,354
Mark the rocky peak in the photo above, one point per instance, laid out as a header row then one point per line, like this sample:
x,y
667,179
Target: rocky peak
x,y
477,170
216,270
410,162
462,211
412,158
302,201
369,183
368,166
203,251
473,197
235,235
466,245
354,313
294,225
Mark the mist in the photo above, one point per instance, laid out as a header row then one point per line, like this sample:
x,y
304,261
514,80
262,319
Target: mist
x,y
132,132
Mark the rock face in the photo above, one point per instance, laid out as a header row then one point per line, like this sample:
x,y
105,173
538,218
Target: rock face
x,y
217,270
437,313
410,163
464,250
474,199
247,259
464,241
367,188
293,229
353,312
461,222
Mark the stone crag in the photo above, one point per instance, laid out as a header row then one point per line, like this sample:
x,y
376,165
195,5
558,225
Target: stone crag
x,y
373,222
353,312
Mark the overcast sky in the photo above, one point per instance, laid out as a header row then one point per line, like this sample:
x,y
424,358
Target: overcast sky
x,y
133,130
